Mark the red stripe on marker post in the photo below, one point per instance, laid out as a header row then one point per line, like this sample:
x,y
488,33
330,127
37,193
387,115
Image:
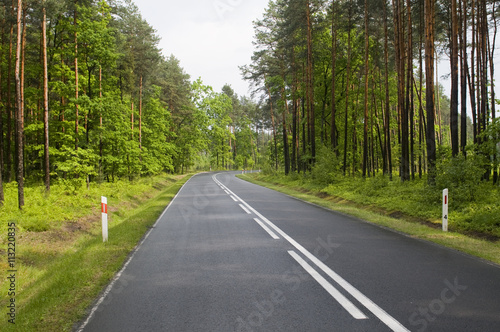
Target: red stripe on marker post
x,y
104,212
445,210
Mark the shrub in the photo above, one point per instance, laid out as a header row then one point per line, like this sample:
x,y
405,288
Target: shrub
x,y
326,168
462,176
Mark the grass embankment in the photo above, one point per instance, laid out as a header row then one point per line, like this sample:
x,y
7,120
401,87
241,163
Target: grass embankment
x,y
411,208
62,264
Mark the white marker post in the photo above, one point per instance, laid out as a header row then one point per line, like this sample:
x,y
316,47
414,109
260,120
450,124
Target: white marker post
x,y
445,210
104,211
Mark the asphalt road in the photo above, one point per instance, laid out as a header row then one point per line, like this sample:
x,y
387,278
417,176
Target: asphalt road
x,y
228,255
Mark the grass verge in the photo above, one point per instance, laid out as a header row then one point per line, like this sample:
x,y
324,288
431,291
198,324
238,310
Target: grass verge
x,y
488,250
61,271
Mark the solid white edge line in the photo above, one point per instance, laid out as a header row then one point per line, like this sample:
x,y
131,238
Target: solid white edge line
x,y
119,274
339,297
245,209
390,321
270,232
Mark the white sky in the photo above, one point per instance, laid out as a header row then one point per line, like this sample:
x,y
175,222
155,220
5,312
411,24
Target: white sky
x,y
211,38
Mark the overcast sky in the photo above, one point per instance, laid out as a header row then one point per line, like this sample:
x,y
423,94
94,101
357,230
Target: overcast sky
x,y
211,38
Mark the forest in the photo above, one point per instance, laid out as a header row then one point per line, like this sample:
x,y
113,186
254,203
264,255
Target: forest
x,y
359,108
87,96
340,88
361,78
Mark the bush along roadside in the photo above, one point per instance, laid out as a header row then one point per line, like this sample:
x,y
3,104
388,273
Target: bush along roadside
x,y
62,265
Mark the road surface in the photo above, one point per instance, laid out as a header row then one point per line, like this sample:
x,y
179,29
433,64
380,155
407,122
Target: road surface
x,y
228,255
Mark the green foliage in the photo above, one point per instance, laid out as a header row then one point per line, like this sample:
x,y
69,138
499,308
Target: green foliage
x,y
327,168
462,176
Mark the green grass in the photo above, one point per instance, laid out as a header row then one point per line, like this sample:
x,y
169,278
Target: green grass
x,y
61,271
357,199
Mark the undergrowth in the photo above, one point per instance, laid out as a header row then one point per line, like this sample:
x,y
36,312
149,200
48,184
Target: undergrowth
x,y
473,204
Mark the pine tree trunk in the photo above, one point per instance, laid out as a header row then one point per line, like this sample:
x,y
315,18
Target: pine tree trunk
x,y
429,71
410,156
310,84
454,80
45,101
286,151
472,76
20,112
140,114
333,129
421,121
404,91
132,121
463,74
365,129
387,119
295,116
492,87
2,197
1,108
348,74
76,78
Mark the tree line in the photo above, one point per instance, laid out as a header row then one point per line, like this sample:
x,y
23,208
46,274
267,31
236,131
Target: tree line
x,y
359,79
86,95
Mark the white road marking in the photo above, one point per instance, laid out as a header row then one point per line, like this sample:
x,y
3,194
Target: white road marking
x,y
390,321
348,305
270,232
234,199
245,209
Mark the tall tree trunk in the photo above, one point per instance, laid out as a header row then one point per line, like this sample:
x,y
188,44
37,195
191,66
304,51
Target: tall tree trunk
x,y
20,112
295,116
2,198
404,91
348,75
286,151
365,131
310,83
333,128
76,76
387,119
100,124
429,71
410,96
483,73
463,74
472,77
45,101
492,87
402,106
23,57
140,114
421,121
132,120
454,79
